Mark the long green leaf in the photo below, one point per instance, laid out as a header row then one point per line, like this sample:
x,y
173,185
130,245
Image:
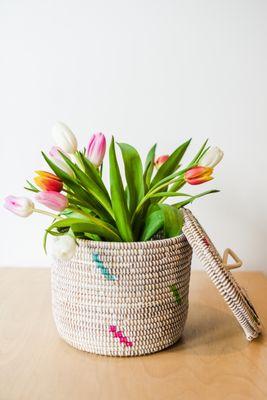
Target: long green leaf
x,y
31,187
170,194
199,153
185,202
171,164
90,185
133,173
149,165
173,220
118,199
90,224
153,223
80,193
93,173
178,185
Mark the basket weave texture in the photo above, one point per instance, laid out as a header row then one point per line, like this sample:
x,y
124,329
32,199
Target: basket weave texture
x,y
236,297
123,299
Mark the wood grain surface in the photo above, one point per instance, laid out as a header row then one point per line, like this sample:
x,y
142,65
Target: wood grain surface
x,y
212,361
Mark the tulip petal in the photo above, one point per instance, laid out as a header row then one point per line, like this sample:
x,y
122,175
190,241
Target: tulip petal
x,y
54,200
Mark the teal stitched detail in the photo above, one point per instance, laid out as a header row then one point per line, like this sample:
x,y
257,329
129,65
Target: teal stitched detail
x,y
104,271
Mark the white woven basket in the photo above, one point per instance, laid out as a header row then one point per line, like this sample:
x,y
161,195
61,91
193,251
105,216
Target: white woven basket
x,y
123,299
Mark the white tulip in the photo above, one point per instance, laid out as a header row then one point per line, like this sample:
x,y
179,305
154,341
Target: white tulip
x,y
64,138
58,160
21,206
211,158
64,247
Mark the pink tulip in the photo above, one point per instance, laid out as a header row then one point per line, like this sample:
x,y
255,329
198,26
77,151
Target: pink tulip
x,y
160,161
54,200
96,149
21,206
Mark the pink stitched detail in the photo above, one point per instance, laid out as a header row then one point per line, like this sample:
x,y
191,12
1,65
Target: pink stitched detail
x,y
112,328
206,241
120,336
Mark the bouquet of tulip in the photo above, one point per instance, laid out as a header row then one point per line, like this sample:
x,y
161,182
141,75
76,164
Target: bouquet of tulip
x,y
136,211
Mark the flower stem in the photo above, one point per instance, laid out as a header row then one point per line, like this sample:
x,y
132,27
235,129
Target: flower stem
x,y
47,213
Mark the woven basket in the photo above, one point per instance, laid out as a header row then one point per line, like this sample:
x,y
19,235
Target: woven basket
x,y
123,299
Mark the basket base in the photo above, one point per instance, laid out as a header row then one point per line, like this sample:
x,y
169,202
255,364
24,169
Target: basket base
x,y
133,354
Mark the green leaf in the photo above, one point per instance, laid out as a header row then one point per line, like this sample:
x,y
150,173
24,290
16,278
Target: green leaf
x,y
153,222
170,194
118,199
200,153
171,164
91,236
31,187
45,241
91,225
149,165
173,220
179,184
93,173
133,173
81,194
90,185
185,202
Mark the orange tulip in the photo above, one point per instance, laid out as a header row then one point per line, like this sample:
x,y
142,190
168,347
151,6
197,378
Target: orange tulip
x,y
48,182
198,175
161,160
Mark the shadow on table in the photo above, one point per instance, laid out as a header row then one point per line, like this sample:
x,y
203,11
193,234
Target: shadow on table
x,y
210,331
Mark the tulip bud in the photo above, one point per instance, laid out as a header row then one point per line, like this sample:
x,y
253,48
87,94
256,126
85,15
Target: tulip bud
x,y
57,159
212,157
64,138
54,200
64,247
96,149
48,182
21,206
161,160
198,175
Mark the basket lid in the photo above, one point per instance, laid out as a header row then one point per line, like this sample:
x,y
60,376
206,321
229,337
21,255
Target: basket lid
x,y
219,273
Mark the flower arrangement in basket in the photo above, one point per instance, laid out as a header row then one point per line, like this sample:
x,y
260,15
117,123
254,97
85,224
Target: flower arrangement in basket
x,y
133,212
120,278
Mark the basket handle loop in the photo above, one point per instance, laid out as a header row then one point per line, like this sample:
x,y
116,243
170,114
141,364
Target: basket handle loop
x,y
238,263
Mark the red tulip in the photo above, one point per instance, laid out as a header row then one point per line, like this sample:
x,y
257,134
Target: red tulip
x,y
48,182
161,160
198,175
54,200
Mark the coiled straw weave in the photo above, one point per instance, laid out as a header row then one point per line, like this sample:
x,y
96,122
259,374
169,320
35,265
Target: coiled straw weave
x,y
123,299
234,295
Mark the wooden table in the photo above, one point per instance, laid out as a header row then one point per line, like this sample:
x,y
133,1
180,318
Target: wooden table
x,y
212,361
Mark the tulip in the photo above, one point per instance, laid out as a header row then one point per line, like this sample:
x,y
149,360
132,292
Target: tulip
x,y
21,206
48,182
198,175
64,138
51,199
64,247
161,160
96,149
212,157
57,159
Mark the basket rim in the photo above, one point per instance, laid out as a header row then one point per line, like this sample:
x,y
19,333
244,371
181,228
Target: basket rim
x,y
133,245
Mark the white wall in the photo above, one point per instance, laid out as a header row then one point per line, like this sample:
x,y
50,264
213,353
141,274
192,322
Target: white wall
x,y
146,71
